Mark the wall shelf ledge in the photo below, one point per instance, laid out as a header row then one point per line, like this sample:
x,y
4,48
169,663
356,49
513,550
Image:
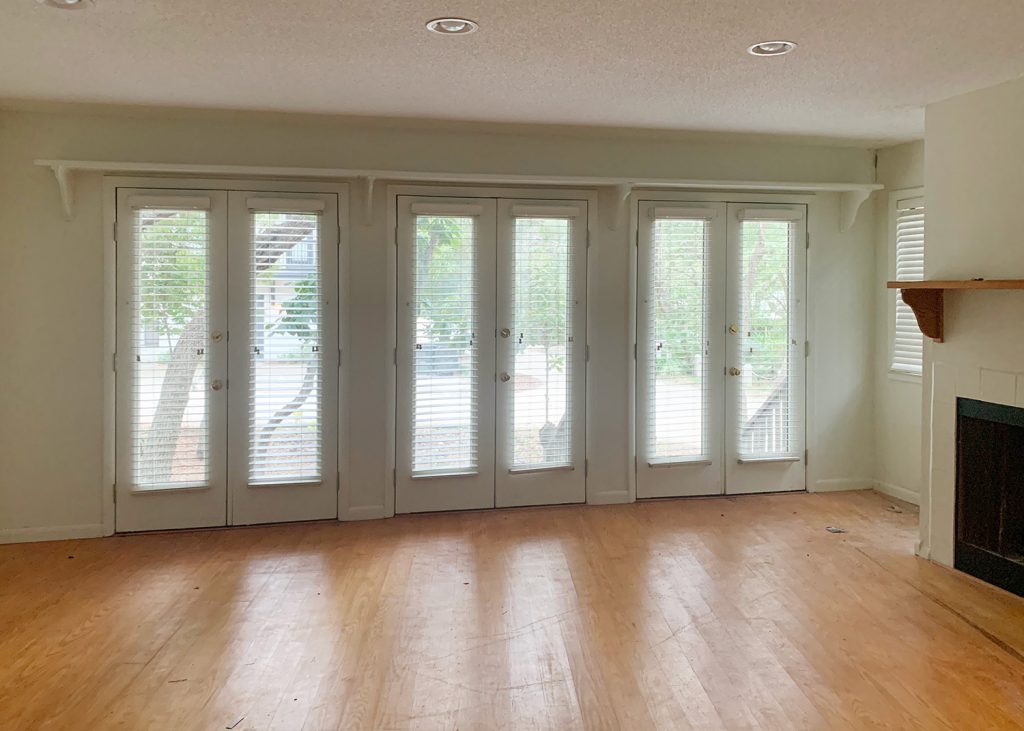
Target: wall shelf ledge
x,y
926,298
851,195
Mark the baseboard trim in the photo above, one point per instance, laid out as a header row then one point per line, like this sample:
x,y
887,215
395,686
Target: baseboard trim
x,y
842,485
900,493
609,497
365,512
51,533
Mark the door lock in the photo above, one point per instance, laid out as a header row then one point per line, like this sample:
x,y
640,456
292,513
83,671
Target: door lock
x,y
733,329
505,377
216,336
216,385
505,332
735,371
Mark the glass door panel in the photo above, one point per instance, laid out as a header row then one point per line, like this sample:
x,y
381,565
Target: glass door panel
x,y
766,349
680,321
171,359
541,352
284,357
445,354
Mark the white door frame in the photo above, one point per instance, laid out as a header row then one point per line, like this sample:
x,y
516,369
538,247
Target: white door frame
x,y
108,237
463,191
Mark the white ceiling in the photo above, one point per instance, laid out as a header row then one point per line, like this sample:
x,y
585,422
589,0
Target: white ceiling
x,y
863,69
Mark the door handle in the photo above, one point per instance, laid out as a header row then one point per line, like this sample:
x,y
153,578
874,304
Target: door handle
x,y
505,377
505,332
216,385
735,371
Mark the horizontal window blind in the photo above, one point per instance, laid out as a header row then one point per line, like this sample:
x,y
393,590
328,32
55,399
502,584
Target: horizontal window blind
x,y
769,421
286,367
908,343
677,339
542,342
170,300
444,309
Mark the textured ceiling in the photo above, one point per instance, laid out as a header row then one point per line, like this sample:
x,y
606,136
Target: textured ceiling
x,y
863,70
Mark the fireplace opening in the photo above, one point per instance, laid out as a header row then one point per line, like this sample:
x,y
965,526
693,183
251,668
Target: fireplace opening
x,y
990,493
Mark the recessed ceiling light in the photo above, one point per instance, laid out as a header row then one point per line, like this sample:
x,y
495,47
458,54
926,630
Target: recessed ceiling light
x,y
452,26
771,48
65,4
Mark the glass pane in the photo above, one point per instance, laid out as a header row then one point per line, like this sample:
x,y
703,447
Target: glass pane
x,y
170,415
286,359
677,340
542,341
767,348
444,412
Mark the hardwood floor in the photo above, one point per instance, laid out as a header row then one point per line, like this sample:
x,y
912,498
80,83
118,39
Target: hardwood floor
x,y
710,614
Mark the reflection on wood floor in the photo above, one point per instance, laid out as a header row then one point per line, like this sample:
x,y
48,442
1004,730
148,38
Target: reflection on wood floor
x,y
723,613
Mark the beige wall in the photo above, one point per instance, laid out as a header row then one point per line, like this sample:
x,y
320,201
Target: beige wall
x,y
53,361
975,149
897,396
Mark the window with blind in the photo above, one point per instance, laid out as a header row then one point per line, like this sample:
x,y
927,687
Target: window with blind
x,y
444,307
286,365
769,421
908,343
677,340
542,305
170,300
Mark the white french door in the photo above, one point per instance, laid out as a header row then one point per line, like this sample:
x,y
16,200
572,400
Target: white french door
x,y
227,357
491,353
720,348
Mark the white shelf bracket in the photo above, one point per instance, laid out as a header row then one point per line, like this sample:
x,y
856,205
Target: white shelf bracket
x,y
850,202
66,186
368,184
615,205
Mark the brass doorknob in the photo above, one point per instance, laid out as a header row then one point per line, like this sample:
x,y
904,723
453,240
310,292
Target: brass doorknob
x,y
735,371
505,377
216,385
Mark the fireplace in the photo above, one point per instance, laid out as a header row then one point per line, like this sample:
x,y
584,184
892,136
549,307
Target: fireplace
x,y
990,493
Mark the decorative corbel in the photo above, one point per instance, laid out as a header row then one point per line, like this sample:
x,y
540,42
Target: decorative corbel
x,y
66,186
850,202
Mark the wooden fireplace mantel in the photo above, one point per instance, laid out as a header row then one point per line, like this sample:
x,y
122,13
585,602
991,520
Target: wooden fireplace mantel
x,y
925,298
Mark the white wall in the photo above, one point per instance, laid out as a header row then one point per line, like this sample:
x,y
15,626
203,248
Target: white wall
x,y
974,145
897,397
51,284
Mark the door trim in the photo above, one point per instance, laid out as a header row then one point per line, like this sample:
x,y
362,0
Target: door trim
x,y
111,183
389,467
818,206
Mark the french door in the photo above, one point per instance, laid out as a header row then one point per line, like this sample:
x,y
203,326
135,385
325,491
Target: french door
x,y
720,348
491,353
227,357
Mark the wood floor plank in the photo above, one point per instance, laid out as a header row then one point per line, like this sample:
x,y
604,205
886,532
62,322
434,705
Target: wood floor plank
x,y
728,613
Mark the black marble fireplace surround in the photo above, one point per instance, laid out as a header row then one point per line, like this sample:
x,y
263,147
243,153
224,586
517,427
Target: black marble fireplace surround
x,y
990,493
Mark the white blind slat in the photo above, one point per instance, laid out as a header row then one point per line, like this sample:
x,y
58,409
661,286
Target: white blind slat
x,y
170,299
908,343
677,338
446,343
770,422
543,342
286,360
